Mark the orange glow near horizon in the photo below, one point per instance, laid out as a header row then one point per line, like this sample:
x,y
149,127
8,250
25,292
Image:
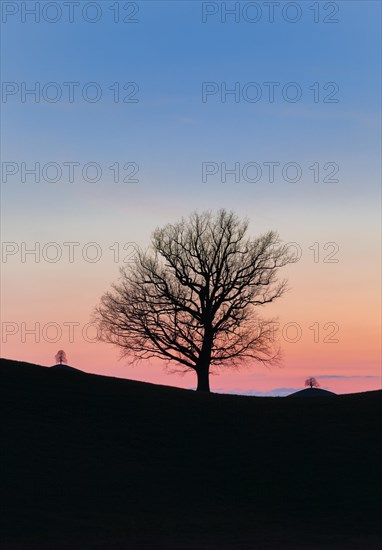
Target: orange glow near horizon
x,y
324,330
343,367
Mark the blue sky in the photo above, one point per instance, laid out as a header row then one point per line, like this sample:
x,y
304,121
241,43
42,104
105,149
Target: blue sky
x,y
170,132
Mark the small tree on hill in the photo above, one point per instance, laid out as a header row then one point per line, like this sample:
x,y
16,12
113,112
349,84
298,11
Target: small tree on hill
x,y
312,382
61,357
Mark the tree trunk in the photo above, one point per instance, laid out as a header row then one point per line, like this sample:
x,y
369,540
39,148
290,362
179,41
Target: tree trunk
x,y
203,380
203,366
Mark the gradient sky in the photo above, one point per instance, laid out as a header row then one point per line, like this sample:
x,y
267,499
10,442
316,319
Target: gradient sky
x,y
169,133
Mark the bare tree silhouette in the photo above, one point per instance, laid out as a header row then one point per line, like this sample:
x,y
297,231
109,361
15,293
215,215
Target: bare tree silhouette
x,y
60,357
312,382
191,298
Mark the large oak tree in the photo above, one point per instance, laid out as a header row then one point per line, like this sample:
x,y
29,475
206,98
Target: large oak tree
x,y
192,298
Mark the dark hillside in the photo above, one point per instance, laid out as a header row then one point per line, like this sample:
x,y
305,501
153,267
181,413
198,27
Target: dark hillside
x,y
312,392
96,462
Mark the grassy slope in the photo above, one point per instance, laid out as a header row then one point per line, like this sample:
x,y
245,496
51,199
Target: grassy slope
x,y
134,465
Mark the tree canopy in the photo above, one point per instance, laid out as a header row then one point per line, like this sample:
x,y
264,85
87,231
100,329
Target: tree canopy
x,y
312,382
192,297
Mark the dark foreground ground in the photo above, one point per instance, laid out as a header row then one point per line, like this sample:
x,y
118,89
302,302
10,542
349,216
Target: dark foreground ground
x,y
95,463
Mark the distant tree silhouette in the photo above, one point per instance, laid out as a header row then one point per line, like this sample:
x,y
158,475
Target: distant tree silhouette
x,y
312,382
191,298
60,357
